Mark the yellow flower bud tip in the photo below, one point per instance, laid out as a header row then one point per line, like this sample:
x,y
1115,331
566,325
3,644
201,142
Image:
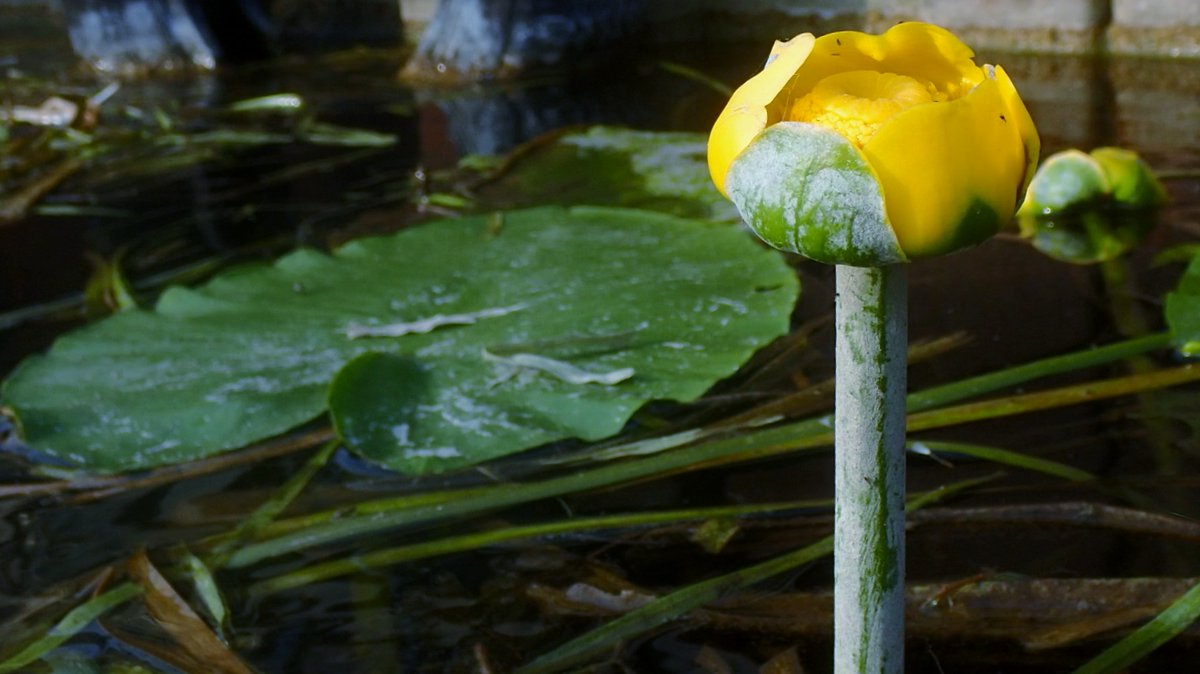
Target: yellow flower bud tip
x,y
949,142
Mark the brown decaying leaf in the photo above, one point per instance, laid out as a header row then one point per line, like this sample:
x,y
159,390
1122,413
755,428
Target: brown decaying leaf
x,y
1035,613
1038,614
1071,513
784,662
15,205
201,650
711,662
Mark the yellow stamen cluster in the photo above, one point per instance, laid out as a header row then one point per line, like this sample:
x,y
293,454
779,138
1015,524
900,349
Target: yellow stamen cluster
x,y
856,103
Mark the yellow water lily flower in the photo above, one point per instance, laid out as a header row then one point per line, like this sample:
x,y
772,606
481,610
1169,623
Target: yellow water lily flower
x,y
869,150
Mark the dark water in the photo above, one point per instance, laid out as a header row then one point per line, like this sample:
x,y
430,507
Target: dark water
x,y
446,614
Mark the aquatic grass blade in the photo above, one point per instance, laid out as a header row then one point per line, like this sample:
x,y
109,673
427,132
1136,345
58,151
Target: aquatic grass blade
x,y
1162,628
917,401
1003,457
337,526
808,435
1020,374
71,624
679,602
669,607
452,544
272,507
1060,397
207,591
695,75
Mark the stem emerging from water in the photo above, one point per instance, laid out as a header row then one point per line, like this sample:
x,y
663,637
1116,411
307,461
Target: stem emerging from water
x,y
869,418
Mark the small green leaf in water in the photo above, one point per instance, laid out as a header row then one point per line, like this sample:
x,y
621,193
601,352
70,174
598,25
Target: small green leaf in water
x,y
321,133
447,200
285,102
659,171
713,534
163,120
108,290
481,162
1183,311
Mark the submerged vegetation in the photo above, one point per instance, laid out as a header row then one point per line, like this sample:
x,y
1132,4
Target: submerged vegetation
x,y
221,465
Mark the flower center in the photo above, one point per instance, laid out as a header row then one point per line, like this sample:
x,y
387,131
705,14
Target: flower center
x,y
857,103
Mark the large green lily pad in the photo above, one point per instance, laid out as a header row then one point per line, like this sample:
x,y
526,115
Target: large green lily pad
x,y
497,333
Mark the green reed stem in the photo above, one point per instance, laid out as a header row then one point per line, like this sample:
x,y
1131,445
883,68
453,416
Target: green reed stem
x,y
70,625
1007,458
452,544
969,388
272,507
1177,617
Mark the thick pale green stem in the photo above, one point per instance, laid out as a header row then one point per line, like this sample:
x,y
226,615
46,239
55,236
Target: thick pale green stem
x,y
868,595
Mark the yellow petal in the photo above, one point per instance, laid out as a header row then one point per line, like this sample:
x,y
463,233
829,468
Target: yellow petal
x,y
918,50
746,113
951,173
1025,128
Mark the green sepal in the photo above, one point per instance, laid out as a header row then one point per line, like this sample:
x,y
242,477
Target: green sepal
x,y
1087,208
978,223
1069,179
1134,185
1072,180
806,189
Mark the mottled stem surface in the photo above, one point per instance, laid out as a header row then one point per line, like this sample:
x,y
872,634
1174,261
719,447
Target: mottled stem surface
x,y
872,327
